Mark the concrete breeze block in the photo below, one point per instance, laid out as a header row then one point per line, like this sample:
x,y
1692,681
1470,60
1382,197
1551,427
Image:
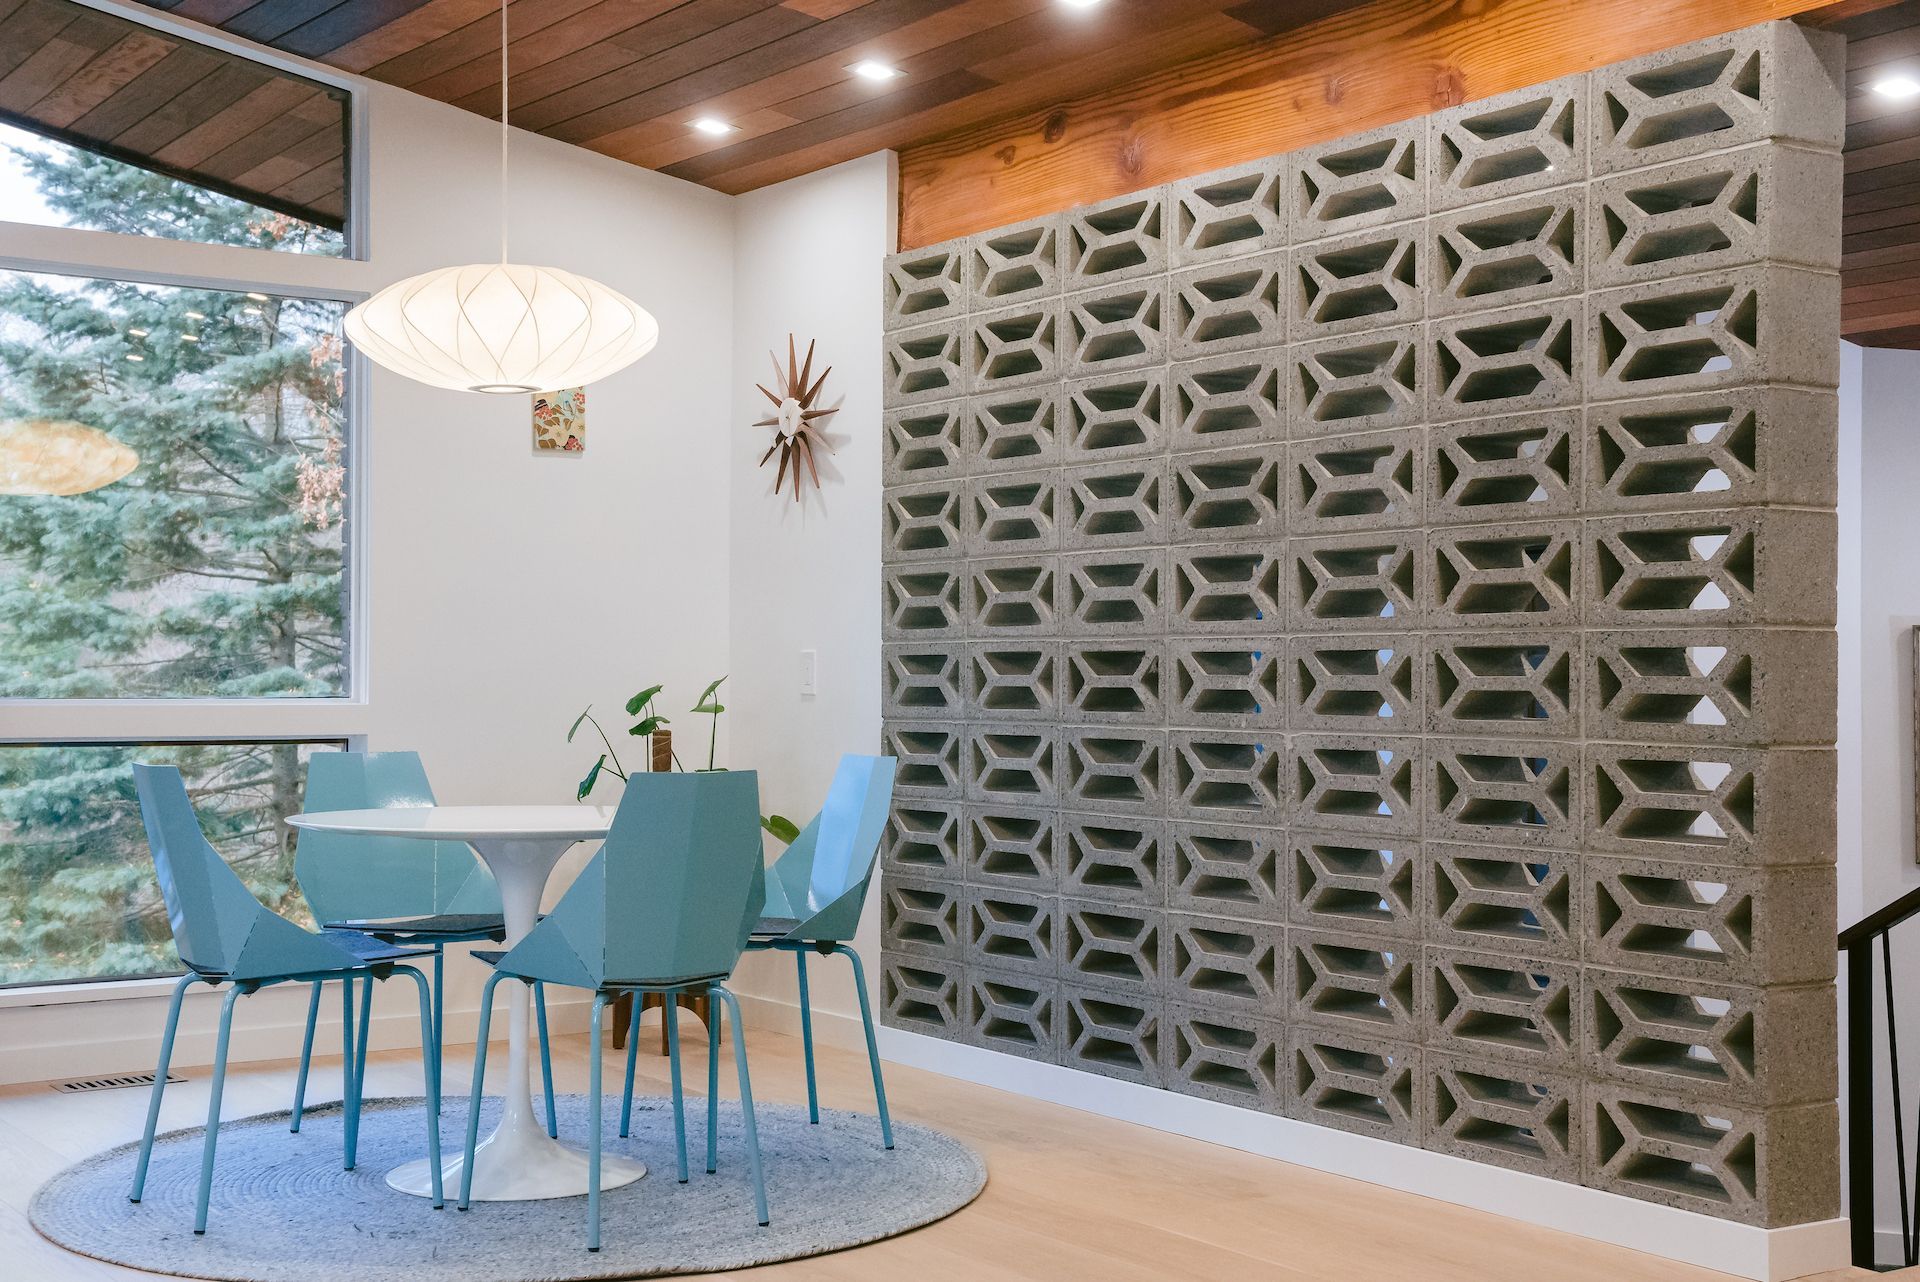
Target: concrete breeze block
x,y
1226,1055
1763,1047
1226,871
1226,682
1015,264
1235,399
1123,503
1357,632
1505,899
1524,467
1230,212
1362,281
923,840
1362,181
1515,142
1515,684
1116,240
1773,81
1728,209
1366,481
1504,1113
1739,447
1773,1168
1013,679
1223,307
921,994
1015,1013
1011,847
1115,857
1341,882
1523,250
926,285
1724,329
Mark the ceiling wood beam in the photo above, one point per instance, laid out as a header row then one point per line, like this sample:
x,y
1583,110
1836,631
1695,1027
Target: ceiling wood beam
x,y
1354,70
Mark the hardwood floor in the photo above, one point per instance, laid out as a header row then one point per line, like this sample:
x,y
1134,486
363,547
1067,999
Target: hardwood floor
x,y
1070,1196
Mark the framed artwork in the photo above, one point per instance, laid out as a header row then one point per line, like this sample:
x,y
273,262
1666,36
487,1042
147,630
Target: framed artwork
x,y
560,421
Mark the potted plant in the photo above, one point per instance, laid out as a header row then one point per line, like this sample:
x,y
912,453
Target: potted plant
x,y
652,724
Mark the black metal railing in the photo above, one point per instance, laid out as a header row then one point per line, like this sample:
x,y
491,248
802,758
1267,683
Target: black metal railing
x,y
1858,943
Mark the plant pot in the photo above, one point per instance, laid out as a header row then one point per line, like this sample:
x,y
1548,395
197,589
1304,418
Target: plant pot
x,y
662,758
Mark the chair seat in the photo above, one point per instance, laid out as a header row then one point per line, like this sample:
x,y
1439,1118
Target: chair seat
x,y
445,928
492,956
371,948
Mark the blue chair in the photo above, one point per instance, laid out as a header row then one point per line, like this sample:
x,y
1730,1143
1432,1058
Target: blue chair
x,y
814,899
226,936
404,890
665,907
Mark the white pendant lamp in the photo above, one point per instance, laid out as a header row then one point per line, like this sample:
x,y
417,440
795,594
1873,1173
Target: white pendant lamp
x,y
502,327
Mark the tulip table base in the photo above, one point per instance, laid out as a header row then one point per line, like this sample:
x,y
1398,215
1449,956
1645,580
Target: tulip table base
x,y
519,1161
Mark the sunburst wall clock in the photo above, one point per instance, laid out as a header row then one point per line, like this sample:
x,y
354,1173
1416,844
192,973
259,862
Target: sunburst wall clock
x,y
796,418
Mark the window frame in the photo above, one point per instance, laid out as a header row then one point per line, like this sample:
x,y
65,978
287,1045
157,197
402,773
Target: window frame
x,y
67,251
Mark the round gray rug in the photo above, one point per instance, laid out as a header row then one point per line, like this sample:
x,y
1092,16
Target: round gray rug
x,y
283,1211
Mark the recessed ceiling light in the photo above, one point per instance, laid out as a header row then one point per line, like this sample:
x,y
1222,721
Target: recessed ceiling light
x,y
868,69
189,338
1080,4
137,332
258,298
711,127
135,357
1896,87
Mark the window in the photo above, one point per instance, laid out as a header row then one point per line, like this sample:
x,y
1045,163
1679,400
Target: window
x,y
78,899
215,567
192,600
52,184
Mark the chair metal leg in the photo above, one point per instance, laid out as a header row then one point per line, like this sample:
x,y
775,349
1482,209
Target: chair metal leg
x,y
346,1039
159,1087
306,1059
479,1082
746,1103
357,1083
594,1123
430,1068
873,1047
213,1109
633,1049
806,1036
546,1059
679,1101
713,1093
439,1015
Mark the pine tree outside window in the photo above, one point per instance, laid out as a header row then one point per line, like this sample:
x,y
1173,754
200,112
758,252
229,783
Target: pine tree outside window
x,y
199,611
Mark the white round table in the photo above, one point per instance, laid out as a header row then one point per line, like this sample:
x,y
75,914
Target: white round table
x,y
520,844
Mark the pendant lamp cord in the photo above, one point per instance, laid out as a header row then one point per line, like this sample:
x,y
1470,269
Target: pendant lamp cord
x,y
503,130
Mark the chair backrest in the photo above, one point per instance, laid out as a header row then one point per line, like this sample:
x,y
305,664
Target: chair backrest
x,y
837,851
673,893
219,927
349,877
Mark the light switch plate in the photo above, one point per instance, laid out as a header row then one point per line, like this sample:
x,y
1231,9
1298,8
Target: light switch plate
x,y
809,673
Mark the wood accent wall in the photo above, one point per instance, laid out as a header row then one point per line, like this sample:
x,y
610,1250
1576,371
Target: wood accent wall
x,y
1351,71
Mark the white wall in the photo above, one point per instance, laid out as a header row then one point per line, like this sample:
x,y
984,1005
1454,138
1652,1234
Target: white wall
x,y
1880,553
504,591
805,576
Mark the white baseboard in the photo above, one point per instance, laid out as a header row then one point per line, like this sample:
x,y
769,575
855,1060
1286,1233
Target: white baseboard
x,y
271,1030
1764,1255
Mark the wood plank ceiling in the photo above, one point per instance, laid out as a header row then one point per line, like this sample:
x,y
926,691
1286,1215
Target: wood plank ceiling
x,y
1880,230
213,118
626,77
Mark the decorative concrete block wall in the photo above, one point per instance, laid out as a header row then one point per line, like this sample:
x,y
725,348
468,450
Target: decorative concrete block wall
x,y
1358,632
